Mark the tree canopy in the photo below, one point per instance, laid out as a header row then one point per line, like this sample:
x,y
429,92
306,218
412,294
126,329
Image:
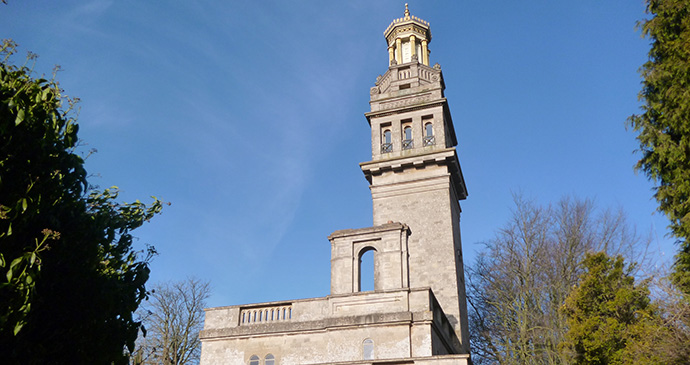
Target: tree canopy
x,y
664,124
519,282
606,313
71,278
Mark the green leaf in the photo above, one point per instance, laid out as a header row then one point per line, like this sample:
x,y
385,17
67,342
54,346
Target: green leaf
x,y
18,327
10,272
20,117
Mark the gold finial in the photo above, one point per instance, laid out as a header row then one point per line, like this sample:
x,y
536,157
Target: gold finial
x,y
407,12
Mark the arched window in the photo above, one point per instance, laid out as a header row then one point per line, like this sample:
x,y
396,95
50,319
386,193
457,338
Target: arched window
x,y
407,138
366,269
368,349
270,360
429,134
387,145
254,360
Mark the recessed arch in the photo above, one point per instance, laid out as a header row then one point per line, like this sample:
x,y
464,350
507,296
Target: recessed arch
x,y
254,360
366,270
270,360
387,136
368,349
429,139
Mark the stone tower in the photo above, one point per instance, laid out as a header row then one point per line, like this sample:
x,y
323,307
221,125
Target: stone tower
x,y
417,312
414,173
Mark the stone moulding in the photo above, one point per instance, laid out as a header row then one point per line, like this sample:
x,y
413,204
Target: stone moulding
x,y
428,360
412,307
445,157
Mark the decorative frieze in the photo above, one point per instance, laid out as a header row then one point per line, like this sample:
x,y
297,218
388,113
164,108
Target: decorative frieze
x,y
405,102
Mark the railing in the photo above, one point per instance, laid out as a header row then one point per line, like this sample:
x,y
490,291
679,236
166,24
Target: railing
x,y
425,74
265,314
407,144
429,141
404,74
386,147
384,82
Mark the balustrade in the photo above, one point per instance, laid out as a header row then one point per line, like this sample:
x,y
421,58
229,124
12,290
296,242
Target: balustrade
x,y
384,82
425,74
265,314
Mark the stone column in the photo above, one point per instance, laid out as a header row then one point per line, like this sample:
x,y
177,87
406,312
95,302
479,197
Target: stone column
x,y
425,52
398,50
391,55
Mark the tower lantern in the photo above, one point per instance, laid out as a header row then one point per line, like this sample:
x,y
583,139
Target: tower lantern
x,y
408,40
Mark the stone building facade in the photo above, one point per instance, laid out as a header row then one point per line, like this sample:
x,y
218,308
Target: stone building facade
x,y
417,312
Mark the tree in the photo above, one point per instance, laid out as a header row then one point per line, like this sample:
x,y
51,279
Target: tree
x,y
664,125
173,317
70,276
521,279
610,318
669,338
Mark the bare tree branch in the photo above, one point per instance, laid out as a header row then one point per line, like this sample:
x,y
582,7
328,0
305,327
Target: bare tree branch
x,y
521,279
173,317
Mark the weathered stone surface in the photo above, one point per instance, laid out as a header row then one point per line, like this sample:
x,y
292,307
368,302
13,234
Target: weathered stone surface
x,y
401,323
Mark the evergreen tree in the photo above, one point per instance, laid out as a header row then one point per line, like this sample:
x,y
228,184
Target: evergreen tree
x,y
664,125
609,316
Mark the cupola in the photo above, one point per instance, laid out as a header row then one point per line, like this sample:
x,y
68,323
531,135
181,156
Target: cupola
x,y
408,40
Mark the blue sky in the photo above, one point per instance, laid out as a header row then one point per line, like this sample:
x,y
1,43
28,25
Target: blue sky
x,y
248,117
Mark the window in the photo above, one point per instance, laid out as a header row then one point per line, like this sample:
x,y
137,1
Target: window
x,y
429,139
254,360
407,138
368,349
386,146
270,360
406,52
366,269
